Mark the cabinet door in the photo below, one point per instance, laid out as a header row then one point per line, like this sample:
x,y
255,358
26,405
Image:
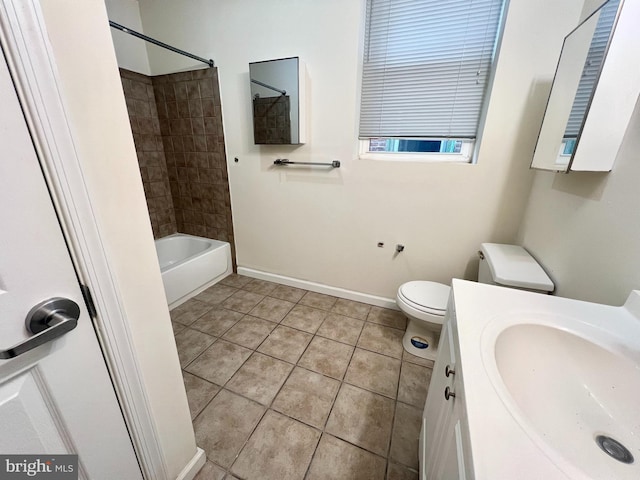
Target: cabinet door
x,y
437,411
451,461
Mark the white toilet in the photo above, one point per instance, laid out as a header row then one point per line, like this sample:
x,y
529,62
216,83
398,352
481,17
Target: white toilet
x,y
425,303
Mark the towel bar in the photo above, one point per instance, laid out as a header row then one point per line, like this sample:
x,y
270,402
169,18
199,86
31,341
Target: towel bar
x,y
284,161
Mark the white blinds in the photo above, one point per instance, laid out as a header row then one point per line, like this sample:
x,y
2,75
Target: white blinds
x,y
592,67
426,65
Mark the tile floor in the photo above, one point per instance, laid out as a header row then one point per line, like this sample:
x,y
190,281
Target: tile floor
x,y
287,384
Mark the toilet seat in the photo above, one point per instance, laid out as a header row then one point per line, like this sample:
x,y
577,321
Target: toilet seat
x,y
425,296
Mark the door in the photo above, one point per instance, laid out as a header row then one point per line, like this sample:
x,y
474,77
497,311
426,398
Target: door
x,y
56,398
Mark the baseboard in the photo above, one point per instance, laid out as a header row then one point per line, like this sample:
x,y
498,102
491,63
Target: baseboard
x,y
193,467
320,288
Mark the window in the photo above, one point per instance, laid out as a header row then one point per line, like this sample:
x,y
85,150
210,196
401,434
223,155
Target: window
x,y
425,72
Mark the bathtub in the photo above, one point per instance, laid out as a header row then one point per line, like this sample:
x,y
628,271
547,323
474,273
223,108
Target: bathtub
x,y
190,265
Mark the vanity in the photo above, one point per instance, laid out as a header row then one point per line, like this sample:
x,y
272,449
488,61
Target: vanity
x,y
532,386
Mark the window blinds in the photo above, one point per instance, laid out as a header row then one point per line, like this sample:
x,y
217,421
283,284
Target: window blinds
x,y
426,66
592,67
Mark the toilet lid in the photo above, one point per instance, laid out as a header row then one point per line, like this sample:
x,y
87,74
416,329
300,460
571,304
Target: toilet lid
x,y
429,295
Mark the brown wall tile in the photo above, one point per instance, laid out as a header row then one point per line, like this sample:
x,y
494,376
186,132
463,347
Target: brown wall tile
x,y
193,141
146,128
177,128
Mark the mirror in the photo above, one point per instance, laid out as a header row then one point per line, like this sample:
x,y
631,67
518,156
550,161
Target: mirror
x,y
276,101
581,60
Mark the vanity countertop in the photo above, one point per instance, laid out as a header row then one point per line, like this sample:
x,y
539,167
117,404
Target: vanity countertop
x,y
544,433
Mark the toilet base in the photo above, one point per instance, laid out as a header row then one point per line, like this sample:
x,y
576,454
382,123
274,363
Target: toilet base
x,y
416,336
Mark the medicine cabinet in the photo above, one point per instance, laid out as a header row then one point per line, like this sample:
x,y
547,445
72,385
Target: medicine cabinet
x,y
278,101
594,92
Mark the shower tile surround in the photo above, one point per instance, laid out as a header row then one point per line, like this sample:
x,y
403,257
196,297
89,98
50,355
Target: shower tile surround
x,y
277,389
176,121
145,126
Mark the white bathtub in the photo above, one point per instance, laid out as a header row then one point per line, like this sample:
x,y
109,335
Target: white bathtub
x,y
190,265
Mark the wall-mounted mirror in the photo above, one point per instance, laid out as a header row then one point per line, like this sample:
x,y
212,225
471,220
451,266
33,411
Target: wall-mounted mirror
x,y
579,69
277,96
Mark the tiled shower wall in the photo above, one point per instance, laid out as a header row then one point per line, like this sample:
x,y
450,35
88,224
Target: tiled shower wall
x,y
187,130
143,116
191,125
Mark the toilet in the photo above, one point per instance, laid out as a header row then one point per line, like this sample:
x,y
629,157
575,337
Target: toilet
x,y
425,303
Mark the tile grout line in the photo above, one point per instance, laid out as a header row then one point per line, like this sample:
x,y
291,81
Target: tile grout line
x,y
271,404
295,365
324,426
342,382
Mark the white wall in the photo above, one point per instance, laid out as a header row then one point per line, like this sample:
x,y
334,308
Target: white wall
x,y
323,226
95,105
584,227
131,52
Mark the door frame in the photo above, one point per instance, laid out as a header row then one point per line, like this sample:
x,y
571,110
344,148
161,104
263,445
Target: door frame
x,y
29,57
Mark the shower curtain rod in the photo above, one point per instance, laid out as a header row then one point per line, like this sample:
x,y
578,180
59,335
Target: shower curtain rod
x,y
124,29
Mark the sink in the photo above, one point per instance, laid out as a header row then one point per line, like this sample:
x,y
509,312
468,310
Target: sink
x,y
573,389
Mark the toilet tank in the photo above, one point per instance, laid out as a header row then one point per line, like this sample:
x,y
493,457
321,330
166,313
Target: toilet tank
x,y
512,266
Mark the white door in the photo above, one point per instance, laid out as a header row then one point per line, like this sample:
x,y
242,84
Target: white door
x,y
56,398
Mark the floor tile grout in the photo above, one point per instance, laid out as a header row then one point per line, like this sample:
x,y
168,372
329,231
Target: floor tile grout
x,y
295,365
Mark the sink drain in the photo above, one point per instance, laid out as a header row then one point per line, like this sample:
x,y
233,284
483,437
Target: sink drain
x,y
614,449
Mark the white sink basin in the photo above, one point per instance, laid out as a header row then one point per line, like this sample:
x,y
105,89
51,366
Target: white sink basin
x,y
567,384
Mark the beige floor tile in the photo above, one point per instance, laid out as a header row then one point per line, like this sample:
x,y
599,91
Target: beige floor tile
x,y
362,418
288,457
335,459
399,472
261,287
405,435
224,425
235,280
260,378
414,383
249,332
361,428
290,294
341,329
351,309
305,318
199,392
318,300
307,396
409,357
216,294
210,472
217,321
327,357
374,372
387,317
384,340
242,301
177,327
218,363
189,311
190,344
272,309
286,343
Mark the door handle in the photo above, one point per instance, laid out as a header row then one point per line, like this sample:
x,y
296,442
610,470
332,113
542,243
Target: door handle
x,y
48,320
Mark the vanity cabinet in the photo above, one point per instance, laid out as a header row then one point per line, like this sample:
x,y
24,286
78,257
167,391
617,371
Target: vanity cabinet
x,y
444,451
